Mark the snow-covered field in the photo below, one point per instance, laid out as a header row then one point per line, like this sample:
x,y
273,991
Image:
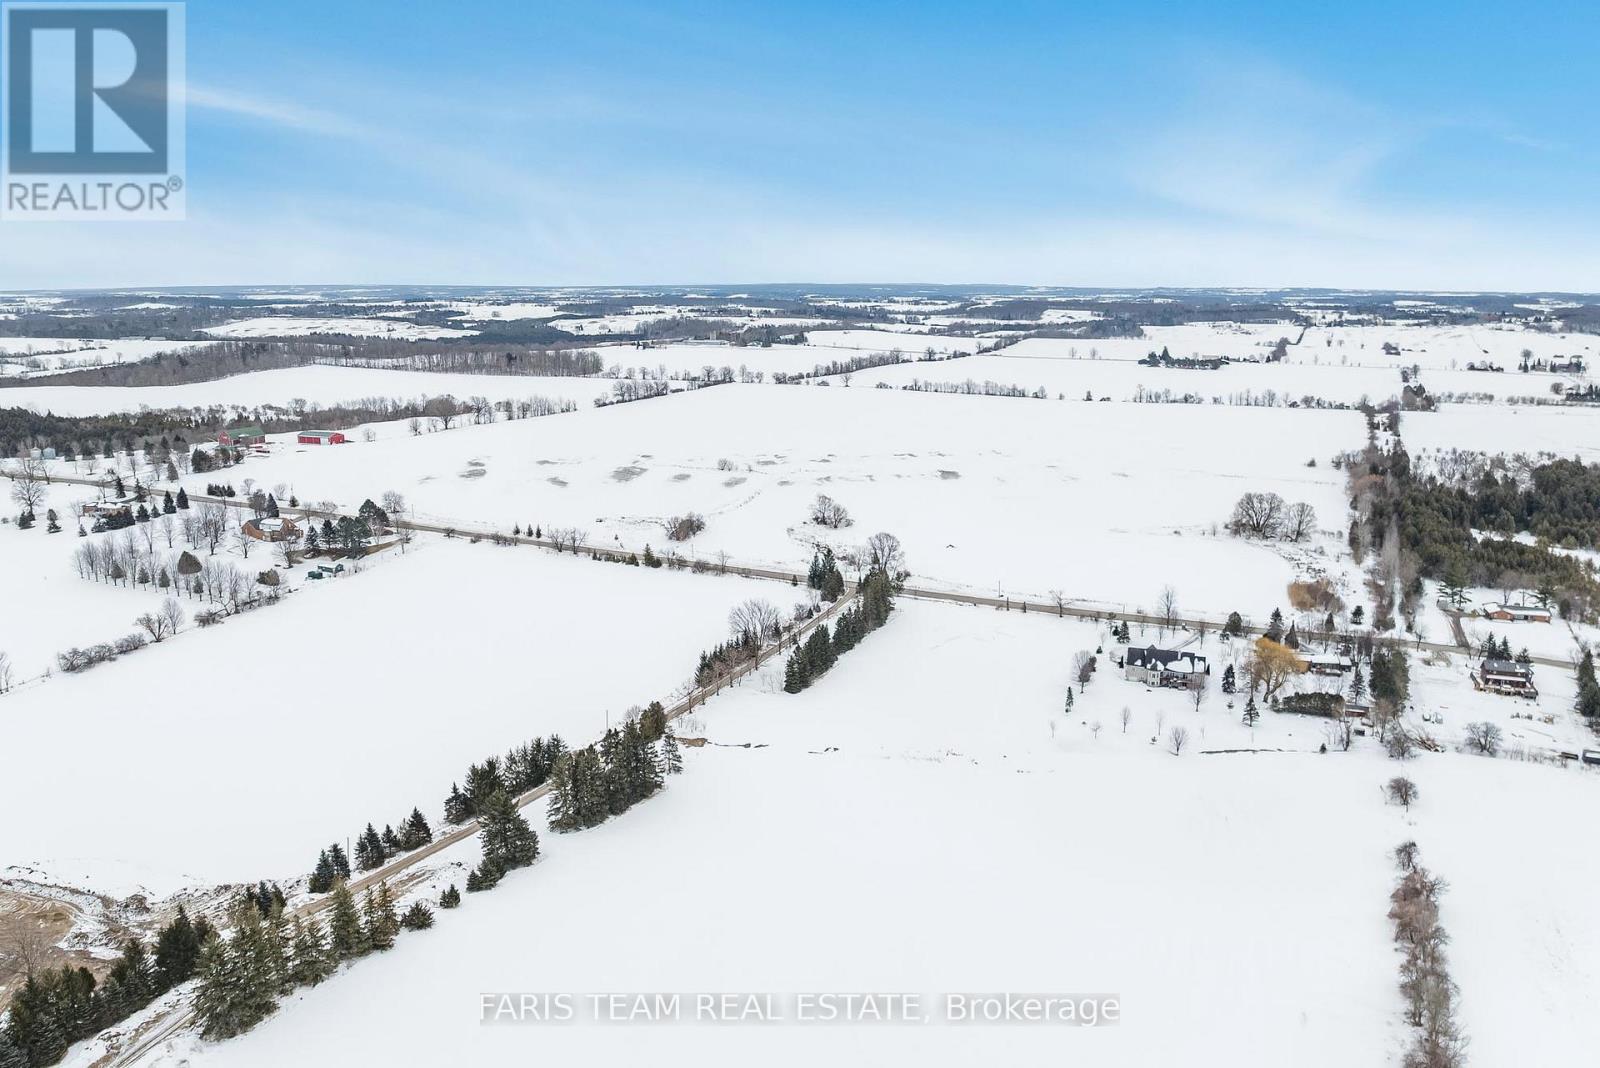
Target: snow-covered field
x,y
1438,347
927,820
1563,432
23,357
1107,502
290,326
62,610
235,752
1125,379
314,384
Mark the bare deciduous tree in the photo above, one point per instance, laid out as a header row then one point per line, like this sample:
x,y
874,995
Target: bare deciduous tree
x,y
1402,791
1300,523
1127,717
172,615
757,618
30,485
1484,737
1167,608
883,550
1257,515
1083,667
827,512
1177,739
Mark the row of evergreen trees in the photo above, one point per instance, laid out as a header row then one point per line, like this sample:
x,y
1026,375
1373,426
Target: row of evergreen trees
x,y
268,954
523,768
821,649
721,660
56,1007
598,782
824,575
373,849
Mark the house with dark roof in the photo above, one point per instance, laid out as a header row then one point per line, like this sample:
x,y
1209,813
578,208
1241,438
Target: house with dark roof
x,y
1165,667
1505,676
1328,663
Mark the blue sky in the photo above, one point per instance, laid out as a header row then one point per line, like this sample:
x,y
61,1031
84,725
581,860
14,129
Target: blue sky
x,y
1449,147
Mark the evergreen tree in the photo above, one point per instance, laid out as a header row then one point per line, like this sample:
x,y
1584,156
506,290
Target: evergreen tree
x,y
278,940
416,832
1068,709
178,949
1275,626
451,897
456,807
1251,714
237,980
391,842
341,864
167,505
322,876
1358,686
369,849
346,938
1234,626
133,980
272,506
562,809
671,756
483,780
795,675
417,918
832,584
484,877
508,841
310,961
1229,680
818,651
1454,586
183,500
380,924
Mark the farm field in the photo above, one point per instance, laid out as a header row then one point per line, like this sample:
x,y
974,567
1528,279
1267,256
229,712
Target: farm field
x,y
235,752
1026,495
283,386
918,866
1125,379
64,610
293,325
25,357
1560,432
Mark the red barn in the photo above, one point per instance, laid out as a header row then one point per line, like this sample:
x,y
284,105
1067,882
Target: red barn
x,y
321,437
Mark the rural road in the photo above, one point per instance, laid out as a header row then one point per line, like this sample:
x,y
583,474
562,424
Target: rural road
x,y
147,1037
924,593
